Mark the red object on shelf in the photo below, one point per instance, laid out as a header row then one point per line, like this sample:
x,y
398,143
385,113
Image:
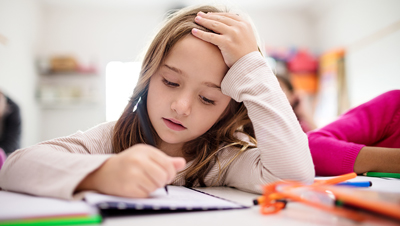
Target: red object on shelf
x,y
302,61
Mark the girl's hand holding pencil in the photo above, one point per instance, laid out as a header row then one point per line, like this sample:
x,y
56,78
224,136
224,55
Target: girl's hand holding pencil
x,y
134,173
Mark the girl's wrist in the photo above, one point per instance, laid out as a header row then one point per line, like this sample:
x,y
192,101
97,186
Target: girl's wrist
x,y
86,183
90,181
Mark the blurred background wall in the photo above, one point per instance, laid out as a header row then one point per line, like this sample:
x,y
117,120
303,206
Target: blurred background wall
x,y
98,32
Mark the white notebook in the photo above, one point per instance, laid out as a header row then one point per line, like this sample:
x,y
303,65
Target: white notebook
x,y
21,206
16,206
178,199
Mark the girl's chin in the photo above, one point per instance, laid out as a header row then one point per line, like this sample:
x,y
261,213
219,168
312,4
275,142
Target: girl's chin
x,y
172,140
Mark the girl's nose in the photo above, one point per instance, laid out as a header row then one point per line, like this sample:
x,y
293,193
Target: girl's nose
x,y
182,106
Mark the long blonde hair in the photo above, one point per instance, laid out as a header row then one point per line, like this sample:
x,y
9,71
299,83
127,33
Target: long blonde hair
x,y
204,149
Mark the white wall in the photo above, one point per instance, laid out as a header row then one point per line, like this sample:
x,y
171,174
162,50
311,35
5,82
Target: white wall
x,y
92,34
19,23
366,28
284,28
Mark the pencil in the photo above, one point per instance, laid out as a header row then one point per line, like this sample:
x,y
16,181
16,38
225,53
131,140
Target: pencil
x,y
379,174
145,126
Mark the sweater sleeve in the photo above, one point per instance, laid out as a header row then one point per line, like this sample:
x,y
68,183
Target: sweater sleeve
x,y
335,147
282,151
55,168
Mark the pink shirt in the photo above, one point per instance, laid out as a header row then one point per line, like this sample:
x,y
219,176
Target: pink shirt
x,y
335,147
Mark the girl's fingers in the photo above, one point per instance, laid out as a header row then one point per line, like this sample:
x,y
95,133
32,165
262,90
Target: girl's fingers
x,y
235,37
146,182
208,36
213,25
164,163
142,191
229,15
156,173
179,163
136,192
221,17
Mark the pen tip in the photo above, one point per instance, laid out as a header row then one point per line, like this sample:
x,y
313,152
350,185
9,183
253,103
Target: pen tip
x,y
255,202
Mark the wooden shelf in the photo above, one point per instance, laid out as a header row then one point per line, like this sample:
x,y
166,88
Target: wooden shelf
x,y
69,90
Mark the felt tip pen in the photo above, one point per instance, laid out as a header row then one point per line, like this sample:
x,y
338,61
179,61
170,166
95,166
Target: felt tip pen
x,y
379,174
356,184
260,200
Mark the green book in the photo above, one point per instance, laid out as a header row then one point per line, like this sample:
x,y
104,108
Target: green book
x,y
23,209
93,219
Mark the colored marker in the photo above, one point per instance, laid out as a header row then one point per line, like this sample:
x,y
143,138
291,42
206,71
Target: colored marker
x,y
335,180
356,184
379,174
259,200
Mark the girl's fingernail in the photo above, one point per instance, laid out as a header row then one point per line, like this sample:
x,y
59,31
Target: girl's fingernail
x,y
197,18
201,13
194,30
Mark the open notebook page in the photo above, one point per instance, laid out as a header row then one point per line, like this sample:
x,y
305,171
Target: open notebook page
x,y
178,198
21,206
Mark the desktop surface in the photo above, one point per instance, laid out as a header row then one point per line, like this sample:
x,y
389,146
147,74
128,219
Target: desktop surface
x,y
293,214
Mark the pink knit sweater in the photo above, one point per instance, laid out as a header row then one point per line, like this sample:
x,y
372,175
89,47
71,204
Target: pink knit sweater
x,y
335,147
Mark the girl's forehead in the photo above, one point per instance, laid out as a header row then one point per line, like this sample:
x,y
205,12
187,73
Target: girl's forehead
x,y
195,55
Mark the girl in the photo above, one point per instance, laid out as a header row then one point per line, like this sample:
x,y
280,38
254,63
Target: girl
x,y
208,93
366,138
298,104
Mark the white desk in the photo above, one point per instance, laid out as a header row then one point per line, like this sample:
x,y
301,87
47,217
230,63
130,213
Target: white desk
x,y
293,214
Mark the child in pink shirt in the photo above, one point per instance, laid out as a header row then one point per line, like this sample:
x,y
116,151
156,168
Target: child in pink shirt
x,y
366,138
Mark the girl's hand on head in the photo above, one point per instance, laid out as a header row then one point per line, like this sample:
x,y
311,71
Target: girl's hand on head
x,y
134,173
235,37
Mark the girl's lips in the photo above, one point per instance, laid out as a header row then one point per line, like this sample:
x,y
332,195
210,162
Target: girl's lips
x,y
173,124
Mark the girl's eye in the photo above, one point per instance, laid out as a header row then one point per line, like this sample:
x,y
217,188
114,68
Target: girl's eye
x,y
168,83
207,101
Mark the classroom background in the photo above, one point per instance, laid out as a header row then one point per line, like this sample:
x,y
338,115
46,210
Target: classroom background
x,y
72,64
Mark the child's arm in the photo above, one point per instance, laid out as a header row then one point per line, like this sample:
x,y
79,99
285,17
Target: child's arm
x,y
377,159
336,147
55,167
282,149
85,161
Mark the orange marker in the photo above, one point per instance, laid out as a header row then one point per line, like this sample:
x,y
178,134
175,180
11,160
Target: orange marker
x,y
335,180
260,200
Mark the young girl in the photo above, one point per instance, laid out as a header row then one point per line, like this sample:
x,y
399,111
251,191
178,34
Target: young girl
x,y
208,93
366,138
298,104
